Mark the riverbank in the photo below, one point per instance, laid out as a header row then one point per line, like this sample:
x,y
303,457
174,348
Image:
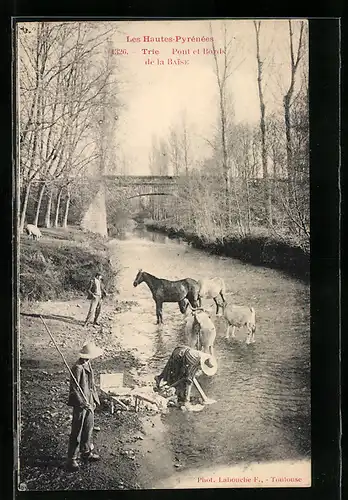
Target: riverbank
x,y
61,263
64,261
257,250
45,416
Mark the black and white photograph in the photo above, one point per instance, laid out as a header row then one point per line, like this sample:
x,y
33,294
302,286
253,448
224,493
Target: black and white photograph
x,y
163,254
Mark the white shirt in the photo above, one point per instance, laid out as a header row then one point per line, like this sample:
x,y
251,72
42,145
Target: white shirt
x,y
97,287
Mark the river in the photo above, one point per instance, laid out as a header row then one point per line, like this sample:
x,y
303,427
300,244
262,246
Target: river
x,y
262,391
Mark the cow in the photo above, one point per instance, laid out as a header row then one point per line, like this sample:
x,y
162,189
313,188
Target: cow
x,y
33,231
238,316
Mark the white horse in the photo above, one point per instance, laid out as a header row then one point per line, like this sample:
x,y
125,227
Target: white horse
x,y
211,289
200,331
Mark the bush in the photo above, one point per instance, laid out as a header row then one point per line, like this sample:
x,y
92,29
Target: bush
x,y
258,250
58,268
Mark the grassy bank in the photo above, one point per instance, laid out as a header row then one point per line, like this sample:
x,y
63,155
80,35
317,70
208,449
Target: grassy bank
x,y
259,250
60,264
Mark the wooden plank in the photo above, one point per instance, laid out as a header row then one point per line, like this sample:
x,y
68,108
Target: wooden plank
x,y
199,389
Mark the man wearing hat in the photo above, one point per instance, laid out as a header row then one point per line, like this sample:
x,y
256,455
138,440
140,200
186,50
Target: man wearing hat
x,y
83,397
182,367
96,293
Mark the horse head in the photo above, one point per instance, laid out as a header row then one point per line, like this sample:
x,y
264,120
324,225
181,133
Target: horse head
x,y
139,278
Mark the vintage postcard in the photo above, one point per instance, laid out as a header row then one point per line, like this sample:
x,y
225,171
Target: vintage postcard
x,y
163,254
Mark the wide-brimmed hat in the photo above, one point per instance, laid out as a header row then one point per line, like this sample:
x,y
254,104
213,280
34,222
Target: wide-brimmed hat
x,y
90,351
208,364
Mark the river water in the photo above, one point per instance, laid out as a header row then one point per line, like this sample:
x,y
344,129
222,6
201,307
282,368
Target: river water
x,y
262,391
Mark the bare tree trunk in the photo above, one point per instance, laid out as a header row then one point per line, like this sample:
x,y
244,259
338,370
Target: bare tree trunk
x,y
222,76
48,209
66,210
59,197
248,205
288,97
268,200
39,201
24,207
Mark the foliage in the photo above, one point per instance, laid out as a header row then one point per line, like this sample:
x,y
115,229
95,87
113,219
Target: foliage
x,y
257,176
259,248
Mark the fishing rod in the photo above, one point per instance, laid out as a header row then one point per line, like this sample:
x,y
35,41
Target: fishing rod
x,y
66,364
71,373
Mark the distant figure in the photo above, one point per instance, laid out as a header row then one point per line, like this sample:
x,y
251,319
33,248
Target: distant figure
x,y
83,407
33,231
96,293
181,369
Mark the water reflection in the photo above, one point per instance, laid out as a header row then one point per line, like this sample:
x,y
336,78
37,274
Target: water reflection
x,y
141,233
160,347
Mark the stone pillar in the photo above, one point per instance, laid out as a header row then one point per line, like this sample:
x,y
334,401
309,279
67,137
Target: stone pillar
x,y
94,219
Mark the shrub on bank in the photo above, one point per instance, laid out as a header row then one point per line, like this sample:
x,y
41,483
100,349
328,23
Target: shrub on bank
x,y
61,264
258,250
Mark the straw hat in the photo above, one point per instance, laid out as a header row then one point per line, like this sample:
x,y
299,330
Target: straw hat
x,y
90,351
208,364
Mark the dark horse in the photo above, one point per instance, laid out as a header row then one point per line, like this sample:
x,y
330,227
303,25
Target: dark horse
x,y
182,291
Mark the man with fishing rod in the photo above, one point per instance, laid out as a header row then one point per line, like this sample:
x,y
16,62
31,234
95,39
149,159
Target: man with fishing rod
x,y
83,397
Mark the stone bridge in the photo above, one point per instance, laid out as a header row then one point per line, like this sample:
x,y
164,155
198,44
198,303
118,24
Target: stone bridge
x,y
95,219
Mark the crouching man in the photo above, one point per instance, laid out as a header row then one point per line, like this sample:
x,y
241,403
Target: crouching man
x,y
81,436
181,369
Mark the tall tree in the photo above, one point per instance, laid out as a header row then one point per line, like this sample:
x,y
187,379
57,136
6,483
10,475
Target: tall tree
x,y
295,58
174,150
60,89
224,67
267,191
185,144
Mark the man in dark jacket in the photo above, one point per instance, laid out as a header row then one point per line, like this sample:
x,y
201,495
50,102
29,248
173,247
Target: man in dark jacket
x,y
83,407
96,293
182,367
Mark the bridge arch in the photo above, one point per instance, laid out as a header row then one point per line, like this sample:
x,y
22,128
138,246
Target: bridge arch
x,y
95,218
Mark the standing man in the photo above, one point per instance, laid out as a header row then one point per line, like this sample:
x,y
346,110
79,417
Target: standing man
x,y
96,293
83,407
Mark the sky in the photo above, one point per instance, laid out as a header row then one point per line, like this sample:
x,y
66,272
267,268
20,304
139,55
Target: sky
x,y
155,96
